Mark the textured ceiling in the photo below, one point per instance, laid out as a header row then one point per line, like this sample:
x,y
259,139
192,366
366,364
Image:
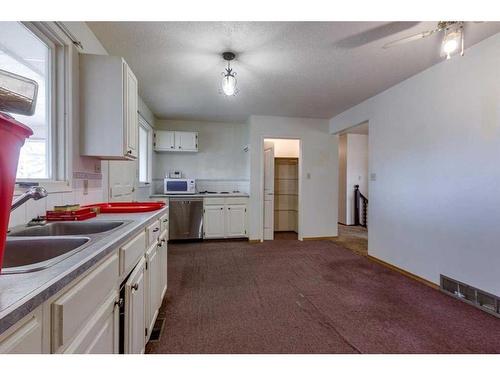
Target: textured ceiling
x,y
299,69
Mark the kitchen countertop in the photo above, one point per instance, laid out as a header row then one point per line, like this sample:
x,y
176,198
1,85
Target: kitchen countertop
x,y
200,195
24,292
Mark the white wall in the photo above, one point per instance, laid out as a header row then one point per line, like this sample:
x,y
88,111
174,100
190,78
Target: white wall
x,y
434,146
286,148
342,178
318,173
220,156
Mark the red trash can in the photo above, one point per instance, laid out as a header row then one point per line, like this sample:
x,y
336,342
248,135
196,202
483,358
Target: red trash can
x,y
12,137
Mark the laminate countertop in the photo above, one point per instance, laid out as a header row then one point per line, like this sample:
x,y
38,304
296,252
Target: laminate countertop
x,y
24,292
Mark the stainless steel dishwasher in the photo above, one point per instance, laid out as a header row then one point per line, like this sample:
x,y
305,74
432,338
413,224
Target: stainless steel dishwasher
x,y
186,218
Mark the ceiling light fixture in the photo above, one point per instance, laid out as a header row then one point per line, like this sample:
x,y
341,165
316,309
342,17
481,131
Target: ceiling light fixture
x,y
453,40
228,77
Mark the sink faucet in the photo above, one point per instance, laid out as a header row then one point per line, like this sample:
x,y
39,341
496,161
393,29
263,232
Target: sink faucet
x,y
35,192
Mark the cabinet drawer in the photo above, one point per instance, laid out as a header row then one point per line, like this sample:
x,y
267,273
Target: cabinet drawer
x,y
212,201
131,252
152,233
163,223
72,310
236,200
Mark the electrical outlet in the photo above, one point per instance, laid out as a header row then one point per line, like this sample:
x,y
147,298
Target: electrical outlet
x,y
85,187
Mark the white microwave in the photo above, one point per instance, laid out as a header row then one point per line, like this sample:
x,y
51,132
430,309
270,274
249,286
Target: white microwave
x,y
179,186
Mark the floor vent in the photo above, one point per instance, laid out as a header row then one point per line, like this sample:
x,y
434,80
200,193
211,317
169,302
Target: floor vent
x,y
157,330
476,297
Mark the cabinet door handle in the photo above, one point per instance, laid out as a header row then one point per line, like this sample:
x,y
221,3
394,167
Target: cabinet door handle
x,y
135,286
156,230
179,147
229,208
160,244
222,208
165,220
171,146
119,302
129,151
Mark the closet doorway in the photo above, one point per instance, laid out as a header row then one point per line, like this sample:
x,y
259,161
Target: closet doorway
x,y
281,188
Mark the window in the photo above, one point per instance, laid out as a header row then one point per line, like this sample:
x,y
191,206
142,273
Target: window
x,y
23,53
145,151
36,51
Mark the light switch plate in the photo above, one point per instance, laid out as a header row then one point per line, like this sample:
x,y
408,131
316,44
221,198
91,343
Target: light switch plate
x,y
373,177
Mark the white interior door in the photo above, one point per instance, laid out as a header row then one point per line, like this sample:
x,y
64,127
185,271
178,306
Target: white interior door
x,y
268,190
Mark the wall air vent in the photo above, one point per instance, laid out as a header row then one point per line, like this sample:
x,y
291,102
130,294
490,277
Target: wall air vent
x,y
473,296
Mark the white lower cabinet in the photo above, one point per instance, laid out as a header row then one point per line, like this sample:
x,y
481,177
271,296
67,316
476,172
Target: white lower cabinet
x,y
213,221
84,317
225,218
236,220
74,308
101,334
153,280
135,310
164,263
25,337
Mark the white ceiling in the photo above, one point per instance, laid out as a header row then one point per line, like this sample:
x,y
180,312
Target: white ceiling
x,y
299,69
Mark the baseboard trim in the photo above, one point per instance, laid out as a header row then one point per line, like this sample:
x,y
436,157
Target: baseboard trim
x,y
253,241
404,272
319,238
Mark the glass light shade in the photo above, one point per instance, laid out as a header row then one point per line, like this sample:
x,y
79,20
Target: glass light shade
x,y
229,84
452,42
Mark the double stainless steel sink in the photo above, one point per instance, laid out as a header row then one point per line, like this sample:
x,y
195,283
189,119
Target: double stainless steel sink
x,y
33,248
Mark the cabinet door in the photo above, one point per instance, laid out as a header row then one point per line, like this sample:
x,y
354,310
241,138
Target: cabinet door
x,y
135,314
164,140
163,248
186,141
153,277
131,116
236,220
213,221
101,334
25,337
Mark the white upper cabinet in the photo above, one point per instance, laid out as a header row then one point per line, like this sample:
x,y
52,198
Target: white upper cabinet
x,y
167,140
164,140
108,108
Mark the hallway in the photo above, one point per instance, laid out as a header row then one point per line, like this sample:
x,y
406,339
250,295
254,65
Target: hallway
x,y
289,296
354,238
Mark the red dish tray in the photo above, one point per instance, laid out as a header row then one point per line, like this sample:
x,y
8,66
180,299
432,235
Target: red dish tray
x,y
77,215
126,207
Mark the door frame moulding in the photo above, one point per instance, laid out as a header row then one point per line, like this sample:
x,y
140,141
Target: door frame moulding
x,y
299,205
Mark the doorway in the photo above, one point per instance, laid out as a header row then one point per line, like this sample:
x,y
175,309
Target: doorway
x,y
281,188
353,188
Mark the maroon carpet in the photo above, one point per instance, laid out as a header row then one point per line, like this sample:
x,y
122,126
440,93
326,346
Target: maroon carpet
x,y
308,297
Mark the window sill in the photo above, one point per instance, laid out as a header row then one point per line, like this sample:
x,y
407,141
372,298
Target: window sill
x,y
50,186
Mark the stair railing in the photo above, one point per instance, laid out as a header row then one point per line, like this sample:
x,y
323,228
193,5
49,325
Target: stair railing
x,y
360,198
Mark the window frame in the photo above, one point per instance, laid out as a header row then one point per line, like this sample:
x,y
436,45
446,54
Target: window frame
x,y
143,123
60,113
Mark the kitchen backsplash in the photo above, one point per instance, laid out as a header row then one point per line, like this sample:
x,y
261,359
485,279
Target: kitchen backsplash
x,y
82,193
242,186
